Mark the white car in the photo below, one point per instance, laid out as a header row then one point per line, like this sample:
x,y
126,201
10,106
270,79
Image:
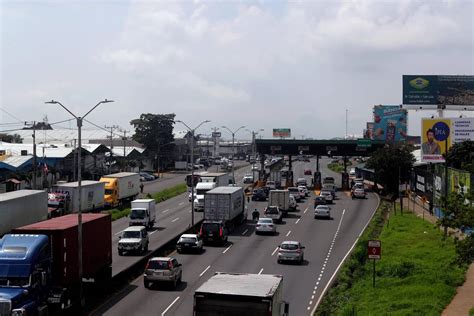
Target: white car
x,y
293,203
358,193
302,192
248,178
305,190
271,185
190,242
327,195
255,168
265,225
352,172
295,192
322,211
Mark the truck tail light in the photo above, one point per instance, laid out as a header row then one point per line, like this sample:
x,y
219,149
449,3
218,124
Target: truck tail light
x,y
220,232
147,265
200,231
170,265
298,251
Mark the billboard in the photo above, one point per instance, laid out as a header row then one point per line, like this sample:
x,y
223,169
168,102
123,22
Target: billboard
x,y
281,132
435,132
438,90
435,139
369,131
390,123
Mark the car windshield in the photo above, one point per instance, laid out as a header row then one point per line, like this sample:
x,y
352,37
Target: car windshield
x,y
210,227
11,281
131,234
138,214
109,191
289,246
158,265
188,239
271,210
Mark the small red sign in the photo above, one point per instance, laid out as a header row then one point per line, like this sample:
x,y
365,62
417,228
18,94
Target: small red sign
x,y
374,249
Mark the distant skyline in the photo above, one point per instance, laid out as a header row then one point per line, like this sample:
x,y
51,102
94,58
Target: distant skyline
x,y
262,64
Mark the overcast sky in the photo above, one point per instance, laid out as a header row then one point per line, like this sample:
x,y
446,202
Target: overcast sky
x,y
262,64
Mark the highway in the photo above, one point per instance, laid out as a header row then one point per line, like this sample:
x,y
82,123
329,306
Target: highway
x,y
327,242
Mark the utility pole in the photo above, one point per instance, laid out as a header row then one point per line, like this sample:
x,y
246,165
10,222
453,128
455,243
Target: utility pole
x,y
34,155
111,144
346,123
233,148
74,161
214,154
124,138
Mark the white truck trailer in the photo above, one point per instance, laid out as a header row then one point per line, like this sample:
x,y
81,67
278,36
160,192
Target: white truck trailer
x,y
92,195
226,204
22,207
143,213
281,198
241,294
207,182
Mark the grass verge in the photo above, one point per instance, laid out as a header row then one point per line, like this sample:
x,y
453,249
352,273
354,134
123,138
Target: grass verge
x,y
336,167
160,196
416,275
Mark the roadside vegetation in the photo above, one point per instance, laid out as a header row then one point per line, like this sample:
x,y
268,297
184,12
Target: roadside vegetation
x,y
339,166
418,272
166,194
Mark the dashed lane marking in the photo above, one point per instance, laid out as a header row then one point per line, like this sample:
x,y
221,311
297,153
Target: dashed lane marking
x,y
172,303
205,270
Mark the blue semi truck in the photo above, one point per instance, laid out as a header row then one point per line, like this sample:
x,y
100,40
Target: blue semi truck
x,y
38,263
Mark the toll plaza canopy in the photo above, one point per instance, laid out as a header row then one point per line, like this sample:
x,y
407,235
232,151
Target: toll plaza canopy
x,y
351,147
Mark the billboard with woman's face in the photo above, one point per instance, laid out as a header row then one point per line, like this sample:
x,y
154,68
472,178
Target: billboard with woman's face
x,y
390,123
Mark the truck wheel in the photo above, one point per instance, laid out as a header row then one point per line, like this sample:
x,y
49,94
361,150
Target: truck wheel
x,y
120,252
145,250
146,284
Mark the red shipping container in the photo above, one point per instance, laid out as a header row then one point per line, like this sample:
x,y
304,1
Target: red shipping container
x,y
62,233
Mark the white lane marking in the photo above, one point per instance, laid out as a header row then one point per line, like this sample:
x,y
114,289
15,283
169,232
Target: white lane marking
x,y
297,221
116,234
245,231
261,270
344,259
152,232
226,249
167,210
305,210
288,234
274,251
181,203
167,309
174,220
205,270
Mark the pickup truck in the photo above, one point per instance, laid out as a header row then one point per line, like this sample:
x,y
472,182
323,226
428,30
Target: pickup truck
x,y
274,213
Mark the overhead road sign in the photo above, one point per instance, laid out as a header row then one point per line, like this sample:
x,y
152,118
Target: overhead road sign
x,y
281,132
216,134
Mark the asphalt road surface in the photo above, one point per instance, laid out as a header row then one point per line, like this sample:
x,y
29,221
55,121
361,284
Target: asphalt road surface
x,y
327,243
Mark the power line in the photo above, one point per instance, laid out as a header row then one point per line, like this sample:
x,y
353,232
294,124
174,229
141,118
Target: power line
x,y
103,128
11,115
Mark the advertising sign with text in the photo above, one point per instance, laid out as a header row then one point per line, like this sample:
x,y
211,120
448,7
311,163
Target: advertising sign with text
x,y
435,138
390,123
281,132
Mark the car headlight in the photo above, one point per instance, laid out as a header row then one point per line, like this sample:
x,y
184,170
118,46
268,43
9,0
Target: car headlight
x,y
19,312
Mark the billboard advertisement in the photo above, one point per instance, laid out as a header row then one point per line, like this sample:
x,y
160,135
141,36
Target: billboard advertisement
x,y
438,90
435,139
390,123
281,132
369,131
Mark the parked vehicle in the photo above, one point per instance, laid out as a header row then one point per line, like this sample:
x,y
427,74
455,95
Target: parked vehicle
x,y
322,211
241,294
295,192
180,165
290,251
281,198
22,207
64,198
120,187
162,269
143,213
134,239
35,280
190,242
259,195
274,213
265,225
223,208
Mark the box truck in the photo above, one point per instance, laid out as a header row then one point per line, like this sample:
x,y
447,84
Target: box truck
x,y
207,182
281,198
241,294
39,263
143,213
22,207
64,198
120,187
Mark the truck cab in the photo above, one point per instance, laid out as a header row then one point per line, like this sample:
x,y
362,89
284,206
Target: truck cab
x,y
201,189
25,265
111,191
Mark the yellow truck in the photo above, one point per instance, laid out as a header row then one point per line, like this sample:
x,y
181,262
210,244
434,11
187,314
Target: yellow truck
x,y
120,187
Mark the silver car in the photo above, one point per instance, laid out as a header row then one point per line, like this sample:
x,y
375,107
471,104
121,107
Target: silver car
x,y
322,211
290,251
265,225
162,269
327,195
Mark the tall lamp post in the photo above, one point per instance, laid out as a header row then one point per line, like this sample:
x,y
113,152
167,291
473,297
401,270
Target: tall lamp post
x,y
79,120
233,148
254,147
192,130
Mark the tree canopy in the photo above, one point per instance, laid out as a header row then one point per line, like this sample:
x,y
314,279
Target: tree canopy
x,y
391,163
461,156
9,138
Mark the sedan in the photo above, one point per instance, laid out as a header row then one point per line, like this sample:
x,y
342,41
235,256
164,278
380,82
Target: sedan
x,y
307,172
358,193
265,225
305,190
322,211
290,251
319,200
146,176
327,195
189,242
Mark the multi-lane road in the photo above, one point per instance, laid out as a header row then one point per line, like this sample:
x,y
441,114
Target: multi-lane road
x,y
327,243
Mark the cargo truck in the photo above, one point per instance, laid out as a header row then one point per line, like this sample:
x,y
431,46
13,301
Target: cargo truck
x,y
207,182
143,213
223,208
281,198
38,263
22,207
120,187
64,198
235,294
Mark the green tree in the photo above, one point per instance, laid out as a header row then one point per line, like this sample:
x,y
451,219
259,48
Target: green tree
x,y
391,163
461,156
9,138
155,131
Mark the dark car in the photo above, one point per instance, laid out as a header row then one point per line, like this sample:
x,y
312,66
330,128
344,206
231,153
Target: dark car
x,y
319,200
307,172
146,176
259,195
213,231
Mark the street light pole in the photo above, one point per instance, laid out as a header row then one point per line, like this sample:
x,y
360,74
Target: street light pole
x,y
79,120
233,148
192,130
